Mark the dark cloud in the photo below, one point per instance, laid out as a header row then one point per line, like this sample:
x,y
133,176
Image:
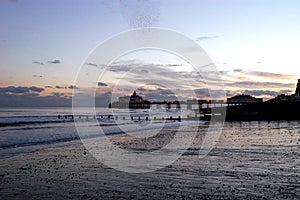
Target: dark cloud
x,y
60,87
28,96
54,61
56,99
36,89
58,94
21,90
73,87
29,99
38,63
102,84
67,87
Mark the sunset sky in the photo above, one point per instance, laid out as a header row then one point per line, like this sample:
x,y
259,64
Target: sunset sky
x,y
255,45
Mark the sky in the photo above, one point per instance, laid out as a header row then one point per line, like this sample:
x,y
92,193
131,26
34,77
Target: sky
x,y
44,43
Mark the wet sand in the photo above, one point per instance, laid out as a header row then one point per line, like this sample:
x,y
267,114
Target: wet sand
x,y
249,162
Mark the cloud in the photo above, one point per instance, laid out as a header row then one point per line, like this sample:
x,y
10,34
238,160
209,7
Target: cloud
x,y
12,96
58,94
29,99
126,89
91,64
266,92
144,71
38,63
67,87
154,96
102,84
201,38
142,89
36,89
73,87
255,84
101,100
60,87
37,76
54,61
238,70
174,65
202,92
270,75
166,92
160,75
20,90
259,74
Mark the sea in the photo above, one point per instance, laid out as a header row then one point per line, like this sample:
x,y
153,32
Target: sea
x,y
25,130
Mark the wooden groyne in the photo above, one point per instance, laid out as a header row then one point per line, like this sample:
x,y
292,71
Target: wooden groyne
x,y
115,117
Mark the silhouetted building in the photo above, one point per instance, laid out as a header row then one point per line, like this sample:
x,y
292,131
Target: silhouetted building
x,y
280,99
134,102
244,99
297,91
296,96
287,98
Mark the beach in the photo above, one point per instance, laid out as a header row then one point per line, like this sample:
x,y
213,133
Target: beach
x,y
144,99
257,160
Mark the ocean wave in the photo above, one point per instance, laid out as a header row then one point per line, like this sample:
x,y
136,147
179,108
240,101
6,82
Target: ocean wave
x,y
21,123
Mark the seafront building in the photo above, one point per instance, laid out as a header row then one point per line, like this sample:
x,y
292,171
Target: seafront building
x,y
296,96
283,98
244,99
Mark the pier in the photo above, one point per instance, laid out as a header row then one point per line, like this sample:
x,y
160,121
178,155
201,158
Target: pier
x,y
218,111
255,111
